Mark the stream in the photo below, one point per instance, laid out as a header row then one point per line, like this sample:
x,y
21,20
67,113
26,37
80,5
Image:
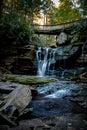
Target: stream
x,y
55,98
62,96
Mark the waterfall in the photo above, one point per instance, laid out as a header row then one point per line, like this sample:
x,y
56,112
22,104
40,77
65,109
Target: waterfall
x,y
45,61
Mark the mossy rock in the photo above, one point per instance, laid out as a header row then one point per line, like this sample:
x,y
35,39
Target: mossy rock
x,y
81,78
28,80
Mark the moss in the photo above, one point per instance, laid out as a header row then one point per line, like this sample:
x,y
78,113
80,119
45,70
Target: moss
x,y
27,79
77,43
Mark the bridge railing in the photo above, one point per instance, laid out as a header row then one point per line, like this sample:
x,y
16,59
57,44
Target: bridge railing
x,y
56,27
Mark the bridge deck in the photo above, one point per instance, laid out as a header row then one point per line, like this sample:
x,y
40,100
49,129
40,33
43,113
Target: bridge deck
x,y
46,29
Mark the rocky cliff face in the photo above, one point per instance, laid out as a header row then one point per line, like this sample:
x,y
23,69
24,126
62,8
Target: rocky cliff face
x,y
18,60
22,60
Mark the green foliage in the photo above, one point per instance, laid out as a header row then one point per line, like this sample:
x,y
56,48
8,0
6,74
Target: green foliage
x,y
36,41
43,40
47,5
29,9
83,7
82,25
1,7
81,30
64,13
15,30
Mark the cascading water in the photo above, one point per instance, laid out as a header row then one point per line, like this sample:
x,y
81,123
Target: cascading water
x,y
42,61
45,61
54,98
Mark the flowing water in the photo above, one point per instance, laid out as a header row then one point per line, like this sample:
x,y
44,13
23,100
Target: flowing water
x,y
45,61
51,99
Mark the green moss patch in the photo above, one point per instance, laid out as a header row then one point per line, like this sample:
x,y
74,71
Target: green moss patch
x,y
27,79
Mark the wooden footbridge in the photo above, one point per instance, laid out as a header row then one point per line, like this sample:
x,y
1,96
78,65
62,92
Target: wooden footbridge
x,y
53,30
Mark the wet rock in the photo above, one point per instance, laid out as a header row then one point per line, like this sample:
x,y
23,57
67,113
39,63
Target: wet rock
x,y
16,100
82,60
67,56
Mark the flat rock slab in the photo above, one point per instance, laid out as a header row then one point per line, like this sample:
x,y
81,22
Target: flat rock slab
x,y
63,122
17,99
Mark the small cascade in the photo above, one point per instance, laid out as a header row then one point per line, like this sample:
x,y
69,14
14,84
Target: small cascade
x,y
51,62
42,61
45,61
68,72
63,74
74,73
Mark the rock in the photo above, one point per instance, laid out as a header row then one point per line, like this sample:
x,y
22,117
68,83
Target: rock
x,y
16,100
14,104
5,88
74,38
23,65
5,127
82,61
6,120
61,38
66,56
18,60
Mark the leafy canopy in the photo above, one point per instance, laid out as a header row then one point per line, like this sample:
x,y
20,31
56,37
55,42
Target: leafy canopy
x,y
64,13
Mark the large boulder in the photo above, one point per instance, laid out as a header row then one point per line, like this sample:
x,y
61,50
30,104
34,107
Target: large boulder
x,y
61,38
66,56
18,99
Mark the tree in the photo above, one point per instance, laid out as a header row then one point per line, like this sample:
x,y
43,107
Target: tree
x,y
1,7
64,13
83,6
